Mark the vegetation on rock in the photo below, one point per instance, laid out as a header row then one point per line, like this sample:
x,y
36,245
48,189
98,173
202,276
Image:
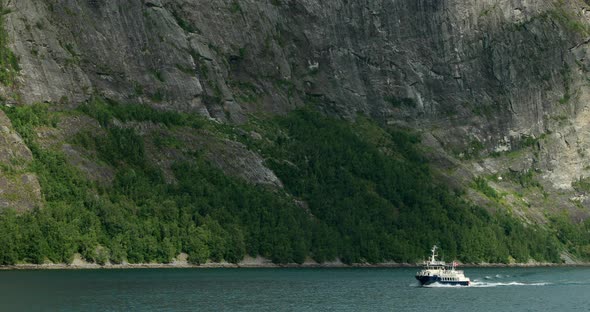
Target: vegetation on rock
x,y
371,197
8,61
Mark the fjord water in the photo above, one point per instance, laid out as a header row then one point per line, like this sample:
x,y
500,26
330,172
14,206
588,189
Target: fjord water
x,y
494,289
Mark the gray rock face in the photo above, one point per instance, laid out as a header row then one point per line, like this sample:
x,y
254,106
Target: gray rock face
x,y
478,75
126,51
19,189
494,69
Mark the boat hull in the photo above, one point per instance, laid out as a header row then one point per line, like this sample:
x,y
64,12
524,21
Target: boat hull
x,y
428,280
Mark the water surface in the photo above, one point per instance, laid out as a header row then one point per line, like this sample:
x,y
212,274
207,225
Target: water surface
x,y
495,289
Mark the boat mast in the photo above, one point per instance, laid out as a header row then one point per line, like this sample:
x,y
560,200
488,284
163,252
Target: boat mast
x,y
433,258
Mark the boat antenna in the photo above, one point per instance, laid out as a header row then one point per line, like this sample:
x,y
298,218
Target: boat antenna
x,y
433,258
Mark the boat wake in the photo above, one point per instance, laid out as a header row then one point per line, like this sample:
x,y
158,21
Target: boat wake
x,y
481,284
488,277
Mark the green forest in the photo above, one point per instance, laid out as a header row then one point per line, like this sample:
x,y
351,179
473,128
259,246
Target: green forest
x,y
370,196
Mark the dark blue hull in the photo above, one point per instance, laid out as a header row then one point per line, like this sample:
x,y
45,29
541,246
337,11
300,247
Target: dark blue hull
x,y
427,280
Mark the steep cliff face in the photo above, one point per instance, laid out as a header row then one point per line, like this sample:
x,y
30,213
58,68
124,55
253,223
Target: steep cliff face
x,y
477,77
421,60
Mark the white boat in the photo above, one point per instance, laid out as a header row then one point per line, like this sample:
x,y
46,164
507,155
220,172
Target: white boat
x,y
435,271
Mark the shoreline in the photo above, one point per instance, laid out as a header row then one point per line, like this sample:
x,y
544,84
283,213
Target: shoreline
x,y
260,263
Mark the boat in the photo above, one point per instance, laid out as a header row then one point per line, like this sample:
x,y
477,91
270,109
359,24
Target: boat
x,y
435,271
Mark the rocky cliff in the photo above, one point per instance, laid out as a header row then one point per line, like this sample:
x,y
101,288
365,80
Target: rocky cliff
x,y
499,89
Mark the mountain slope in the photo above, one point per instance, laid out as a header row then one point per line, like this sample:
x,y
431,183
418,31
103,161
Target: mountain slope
x,y
496,91
358,193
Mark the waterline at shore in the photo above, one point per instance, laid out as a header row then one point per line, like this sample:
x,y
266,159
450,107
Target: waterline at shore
x,y
259,262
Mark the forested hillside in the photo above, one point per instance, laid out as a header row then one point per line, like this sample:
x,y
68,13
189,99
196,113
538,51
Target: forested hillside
x,y
361,131
353,191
